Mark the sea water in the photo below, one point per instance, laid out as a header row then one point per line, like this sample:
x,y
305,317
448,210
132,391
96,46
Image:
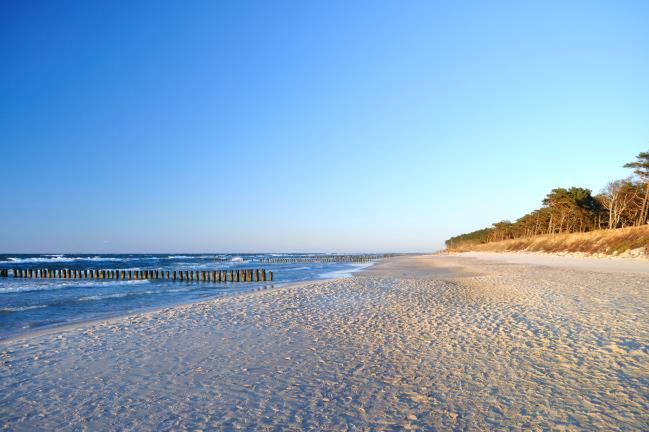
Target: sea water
x,y
28,305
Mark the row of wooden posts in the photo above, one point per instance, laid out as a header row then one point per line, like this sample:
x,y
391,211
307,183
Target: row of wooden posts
x,y
242,275
326,258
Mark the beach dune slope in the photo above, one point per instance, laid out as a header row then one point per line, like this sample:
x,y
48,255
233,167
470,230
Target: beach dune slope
x,y
495,345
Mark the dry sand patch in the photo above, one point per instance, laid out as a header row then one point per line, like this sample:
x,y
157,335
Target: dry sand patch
x,y
499,346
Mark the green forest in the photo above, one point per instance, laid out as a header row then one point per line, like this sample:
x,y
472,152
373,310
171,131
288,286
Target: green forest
x,y
622,203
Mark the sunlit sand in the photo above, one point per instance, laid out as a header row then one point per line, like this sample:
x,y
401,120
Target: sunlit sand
x,y
408,344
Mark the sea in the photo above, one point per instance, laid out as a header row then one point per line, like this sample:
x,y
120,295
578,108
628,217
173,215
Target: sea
x,y
29,305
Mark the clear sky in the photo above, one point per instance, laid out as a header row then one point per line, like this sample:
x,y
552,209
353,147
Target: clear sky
x,y
348,126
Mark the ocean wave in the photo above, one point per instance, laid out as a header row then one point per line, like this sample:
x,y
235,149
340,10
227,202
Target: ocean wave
x,y
23,308
128,294
174,290
61,259
80,283
100,258
347,272
103,297
210,256
295,269
43,259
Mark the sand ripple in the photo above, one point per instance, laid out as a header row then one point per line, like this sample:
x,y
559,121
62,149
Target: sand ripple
x,y
515,347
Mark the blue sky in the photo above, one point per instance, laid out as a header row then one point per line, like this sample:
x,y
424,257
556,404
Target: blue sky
x,y
307,126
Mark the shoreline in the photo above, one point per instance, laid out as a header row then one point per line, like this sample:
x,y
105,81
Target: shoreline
x,y
401,346
53,329
452,271
154,309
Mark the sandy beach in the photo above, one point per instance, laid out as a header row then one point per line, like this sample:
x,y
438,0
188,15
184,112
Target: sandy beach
x,y
459,342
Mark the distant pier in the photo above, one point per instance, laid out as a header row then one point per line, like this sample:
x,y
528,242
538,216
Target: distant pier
x,y
326,258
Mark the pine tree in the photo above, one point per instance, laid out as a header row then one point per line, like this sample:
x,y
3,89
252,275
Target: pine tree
x,y
641,169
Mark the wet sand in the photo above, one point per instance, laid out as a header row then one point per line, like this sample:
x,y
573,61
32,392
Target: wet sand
x,y
415,267
422,342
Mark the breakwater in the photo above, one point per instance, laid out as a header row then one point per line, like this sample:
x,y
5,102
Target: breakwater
x,y
325,259
239,275
113,284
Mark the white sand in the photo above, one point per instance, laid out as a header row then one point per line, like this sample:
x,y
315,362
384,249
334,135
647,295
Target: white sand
x,y
501,346
609,264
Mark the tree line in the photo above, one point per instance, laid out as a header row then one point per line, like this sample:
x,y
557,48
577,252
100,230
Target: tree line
x,y
620,204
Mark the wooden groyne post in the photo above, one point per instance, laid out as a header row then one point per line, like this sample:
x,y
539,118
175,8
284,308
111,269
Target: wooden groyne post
x,y
364,258
214,276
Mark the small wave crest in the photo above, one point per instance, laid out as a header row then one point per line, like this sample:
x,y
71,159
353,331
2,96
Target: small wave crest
x,y
81,283
344,273
22,308
60,259
295,269
103,297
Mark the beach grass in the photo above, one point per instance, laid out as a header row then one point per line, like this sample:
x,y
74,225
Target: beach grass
x,y
632,241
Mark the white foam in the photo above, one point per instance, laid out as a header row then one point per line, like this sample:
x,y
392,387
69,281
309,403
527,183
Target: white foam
x,y
102,297
61,259
295,269
176,290
52,285
345,272
20,309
